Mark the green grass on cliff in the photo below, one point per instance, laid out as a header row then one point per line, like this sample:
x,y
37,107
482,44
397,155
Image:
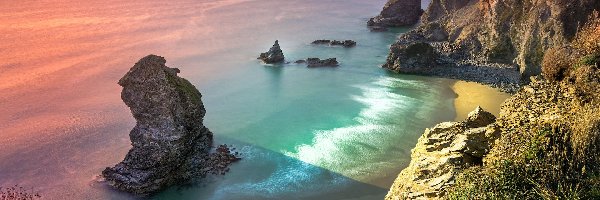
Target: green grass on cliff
x,y
184,86
550,143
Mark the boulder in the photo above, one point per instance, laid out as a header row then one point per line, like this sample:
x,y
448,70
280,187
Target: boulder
x,y
479,118
274,55
398,13
415,57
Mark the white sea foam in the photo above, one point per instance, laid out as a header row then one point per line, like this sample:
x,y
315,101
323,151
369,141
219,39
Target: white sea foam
x,y
363,150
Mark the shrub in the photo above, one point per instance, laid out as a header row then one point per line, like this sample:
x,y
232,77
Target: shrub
x,y
551,172
557,63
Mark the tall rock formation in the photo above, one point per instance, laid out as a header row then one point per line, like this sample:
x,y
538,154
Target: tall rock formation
x,y
398,13
491,38
274,55
170,143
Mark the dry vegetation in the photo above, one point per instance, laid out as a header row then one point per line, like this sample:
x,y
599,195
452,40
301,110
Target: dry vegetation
x,y
560,62
550,144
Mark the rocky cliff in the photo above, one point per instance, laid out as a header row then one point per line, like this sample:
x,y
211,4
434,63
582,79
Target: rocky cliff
x,y
544,145
496,42
170,143
442,153
398,13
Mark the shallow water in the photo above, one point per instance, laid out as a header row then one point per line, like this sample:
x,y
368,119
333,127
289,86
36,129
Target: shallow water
x,y
323,133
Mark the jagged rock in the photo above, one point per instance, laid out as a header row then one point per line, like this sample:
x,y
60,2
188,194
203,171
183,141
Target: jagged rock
x,y
170,142
479,39
274,55
495,42
441,153
345,43
398,13
415,57
316,62
479,118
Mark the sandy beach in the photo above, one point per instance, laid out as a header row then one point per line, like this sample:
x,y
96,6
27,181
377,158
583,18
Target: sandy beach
x,y
471,95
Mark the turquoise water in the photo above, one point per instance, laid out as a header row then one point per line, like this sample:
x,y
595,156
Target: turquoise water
x,y
322,133
319,133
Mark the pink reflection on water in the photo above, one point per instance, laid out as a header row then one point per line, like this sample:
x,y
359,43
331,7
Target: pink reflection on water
x,y
59,100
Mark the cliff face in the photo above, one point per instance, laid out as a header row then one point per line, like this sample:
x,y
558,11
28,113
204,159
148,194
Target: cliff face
x,y
546,142
546,138
398,13
442,153
170,143
484,35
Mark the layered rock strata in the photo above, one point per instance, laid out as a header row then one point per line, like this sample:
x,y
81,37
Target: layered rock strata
x,y
442,152
495,42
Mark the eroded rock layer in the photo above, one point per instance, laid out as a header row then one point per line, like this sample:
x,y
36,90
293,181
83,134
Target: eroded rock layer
x,y
496,42
441,153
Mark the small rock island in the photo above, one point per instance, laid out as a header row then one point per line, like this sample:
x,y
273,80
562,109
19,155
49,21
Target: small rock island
x,y
170,143
274,55
317,62
344,43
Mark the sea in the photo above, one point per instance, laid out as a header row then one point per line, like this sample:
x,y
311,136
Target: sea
x,y
303,133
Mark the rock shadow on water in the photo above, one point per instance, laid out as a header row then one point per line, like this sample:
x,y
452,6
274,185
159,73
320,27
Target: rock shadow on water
x,y
266,174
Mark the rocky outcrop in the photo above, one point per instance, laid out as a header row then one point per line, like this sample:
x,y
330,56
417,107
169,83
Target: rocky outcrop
x,y
316,62
274,55
398,13
488,40
170,143
442,153
344,43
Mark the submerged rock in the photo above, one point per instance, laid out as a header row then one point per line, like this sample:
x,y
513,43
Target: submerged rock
x,y
316,62
170,143
274,55
378,28
398,13
345,43
443,152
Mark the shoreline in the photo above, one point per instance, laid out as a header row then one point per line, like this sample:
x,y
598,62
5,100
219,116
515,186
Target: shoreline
x,y
473,94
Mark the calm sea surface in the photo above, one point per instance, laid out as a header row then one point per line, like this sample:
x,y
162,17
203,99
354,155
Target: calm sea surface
x,y
322,133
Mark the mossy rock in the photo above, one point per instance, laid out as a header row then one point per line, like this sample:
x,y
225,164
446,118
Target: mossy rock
x,y
184,86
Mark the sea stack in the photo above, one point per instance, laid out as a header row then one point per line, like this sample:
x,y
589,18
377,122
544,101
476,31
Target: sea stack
x,y
274,55
398,13
170,143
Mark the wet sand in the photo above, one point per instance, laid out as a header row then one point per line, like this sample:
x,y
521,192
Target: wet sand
x,y
471,95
